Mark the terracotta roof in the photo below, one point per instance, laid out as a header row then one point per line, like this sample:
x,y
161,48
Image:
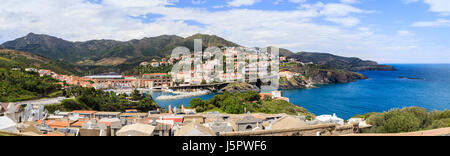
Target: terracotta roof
x,y
265,94
108,113
84,112
156,74
282,98
259,116
80,123
56,123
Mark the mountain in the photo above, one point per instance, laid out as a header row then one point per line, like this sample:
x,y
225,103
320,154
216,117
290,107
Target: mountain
x,y
99,56
20,59
339,62
109,52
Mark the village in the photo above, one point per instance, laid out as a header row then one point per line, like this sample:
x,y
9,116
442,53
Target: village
x,y
204,73
34,120
31,118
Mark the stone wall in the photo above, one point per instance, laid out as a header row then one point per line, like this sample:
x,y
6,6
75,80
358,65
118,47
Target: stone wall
x,y
323,129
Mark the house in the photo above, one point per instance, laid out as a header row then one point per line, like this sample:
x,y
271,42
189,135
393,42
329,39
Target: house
x,y
292,60
194,118
277,94
136,130
157,111
283,59
175,119
164,63
3,108
220,126
162,127
248,123
194,129
156,80
8,125
134,115
143,63
31,70
330,119
101,115
264,95
287,122
155,64
84,114
114,123
188,111
55,124
94,128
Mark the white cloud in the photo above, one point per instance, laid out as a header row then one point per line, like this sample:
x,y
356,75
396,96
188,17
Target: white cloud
x,y
77,20
404,33
439,6
437,23
349,1
345,21
239,3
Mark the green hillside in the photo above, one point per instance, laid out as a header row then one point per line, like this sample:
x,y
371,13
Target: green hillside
x,y
19,59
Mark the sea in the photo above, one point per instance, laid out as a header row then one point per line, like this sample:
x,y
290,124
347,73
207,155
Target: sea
x,y
422,85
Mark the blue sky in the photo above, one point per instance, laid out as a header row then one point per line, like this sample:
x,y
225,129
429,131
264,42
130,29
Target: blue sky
x,y
387,31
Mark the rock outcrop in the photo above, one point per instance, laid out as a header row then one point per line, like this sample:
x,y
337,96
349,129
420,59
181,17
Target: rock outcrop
x,y
239,87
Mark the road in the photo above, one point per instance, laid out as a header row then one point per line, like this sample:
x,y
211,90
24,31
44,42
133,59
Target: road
x,y
48,101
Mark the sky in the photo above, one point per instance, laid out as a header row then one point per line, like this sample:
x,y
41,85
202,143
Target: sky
x,y
387,31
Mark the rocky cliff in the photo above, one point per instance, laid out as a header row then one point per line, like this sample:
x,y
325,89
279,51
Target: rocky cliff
x,y
313,75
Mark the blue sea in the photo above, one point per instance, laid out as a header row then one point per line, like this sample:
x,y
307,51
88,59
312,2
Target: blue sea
x,y
383,91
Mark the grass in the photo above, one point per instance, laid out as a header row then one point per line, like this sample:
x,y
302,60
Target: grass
x,y
2,134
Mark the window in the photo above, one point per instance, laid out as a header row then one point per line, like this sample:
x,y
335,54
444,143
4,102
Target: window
x,y
249,127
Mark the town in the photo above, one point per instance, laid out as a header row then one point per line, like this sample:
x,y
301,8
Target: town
x,y
34,120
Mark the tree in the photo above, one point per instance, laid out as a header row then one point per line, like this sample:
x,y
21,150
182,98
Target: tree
x,y
136,95
71,104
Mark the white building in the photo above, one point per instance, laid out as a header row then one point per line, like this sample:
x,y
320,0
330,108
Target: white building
x,y
8,125
330,119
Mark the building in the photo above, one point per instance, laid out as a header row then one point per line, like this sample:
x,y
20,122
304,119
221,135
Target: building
x,y
220,126
134,115
143,63
155,64
162,127
8,125
330,119
3,108
248,123
287,122
175,119
264,95
194,118
95,128
136,130
84,114
157,80
194,129
101,115
31,70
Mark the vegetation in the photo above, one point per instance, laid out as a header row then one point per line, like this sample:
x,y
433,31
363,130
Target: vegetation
x,y
339,62
18,59
18,85
407,120
140,70
238,103
92,99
